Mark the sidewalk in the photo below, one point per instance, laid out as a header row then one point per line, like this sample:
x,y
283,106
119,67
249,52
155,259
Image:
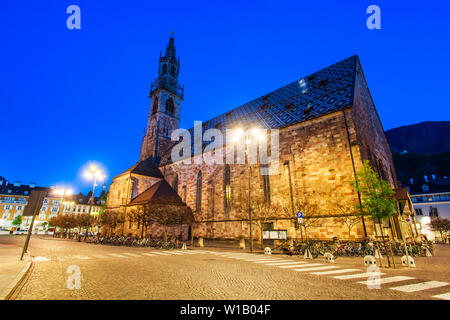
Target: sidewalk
x,y
12,270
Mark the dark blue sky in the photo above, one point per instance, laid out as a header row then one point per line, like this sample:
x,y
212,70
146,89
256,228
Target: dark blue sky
x,y
68,97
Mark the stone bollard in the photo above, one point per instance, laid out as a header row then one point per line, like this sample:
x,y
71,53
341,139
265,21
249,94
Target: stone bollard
x,y
267,250
184,247
200,242
242,243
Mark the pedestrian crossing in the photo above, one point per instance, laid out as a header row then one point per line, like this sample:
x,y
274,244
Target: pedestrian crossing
x,y
340,273
284,263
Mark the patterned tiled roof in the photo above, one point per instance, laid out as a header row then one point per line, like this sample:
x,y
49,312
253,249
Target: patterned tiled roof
x,y
320,93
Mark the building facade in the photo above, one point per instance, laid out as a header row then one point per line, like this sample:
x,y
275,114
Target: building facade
x,y
327,126
14,198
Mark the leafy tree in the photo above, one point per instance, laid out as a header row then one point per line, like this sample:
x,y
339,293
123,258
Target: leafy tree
x,y
377,196
17,220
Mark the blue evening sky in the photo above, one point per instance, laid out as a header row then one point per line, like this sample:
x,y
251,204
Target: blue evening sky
x,y
68,97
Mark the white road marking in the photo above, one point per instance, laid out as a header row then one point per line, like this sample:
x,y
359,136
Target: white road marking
x,y
131,254
359,275
160,253
282,263
99,256
301,265
316,268
445,296
421,286
81,257
148,254
116,255
335,271
266,261
391,279
171,252
41,258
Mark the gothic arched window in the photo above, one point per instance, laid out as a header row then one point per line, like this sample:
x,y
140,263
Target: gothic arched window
x,y
155,105
266,182
227,187
172,70
170,106
164,69
198,196
175,183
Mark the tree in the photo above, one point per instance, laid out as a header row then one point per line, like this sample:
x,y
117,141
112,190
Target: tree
x,y
167,215
440,225
377,196
263,212
17,220
310,210
347,213
111,219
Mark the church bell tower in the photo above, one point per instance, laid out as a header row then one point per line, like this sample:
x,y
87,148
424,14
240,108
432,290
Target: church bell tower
x,y
165,103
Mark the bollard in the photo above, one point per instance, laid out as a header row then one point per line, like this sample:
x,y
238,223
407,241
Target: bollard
x,y
267,250
200,242
308,254
408,261
242,243
329,257
184,247
369,260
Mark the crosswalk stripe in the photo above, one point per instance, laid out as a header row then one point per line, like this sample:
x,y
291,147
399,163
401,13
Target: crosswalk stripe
x,y
259,259
359,275
335,271
273,261
390,279
171,252
421,286
100,256
445,296
160,253
148,254
116,255
301,265
281,263
265,261
81,257
131,254
41,258
316,268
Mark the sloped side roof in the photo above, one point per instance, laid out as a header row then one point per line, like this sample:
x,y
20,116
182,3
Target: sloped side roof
x,y
145,168
323,92
160,192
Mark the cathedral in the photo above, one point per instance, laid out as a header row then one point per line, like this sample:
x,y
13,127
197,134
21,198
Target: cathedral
x,y
327,126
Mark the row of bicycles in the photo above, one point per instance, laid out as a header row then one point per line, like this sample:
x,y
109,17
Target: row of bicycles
x,y
135,241
356,249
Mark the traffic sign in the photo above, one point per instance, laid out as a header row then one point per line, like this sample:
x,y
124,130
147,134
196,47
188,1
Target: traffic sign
x,y
299,214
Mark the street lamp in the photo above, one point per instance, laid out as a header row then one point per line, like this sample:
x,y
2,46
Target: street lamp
x,y
94,173
256,134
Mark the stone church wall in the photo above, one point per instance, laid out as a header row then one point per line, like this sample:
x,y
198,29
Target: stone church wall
x,y
317,154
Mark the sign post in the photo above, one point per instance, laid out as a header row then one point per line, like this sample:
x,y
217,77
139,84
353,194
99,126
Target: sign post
x,y
32,209
300,221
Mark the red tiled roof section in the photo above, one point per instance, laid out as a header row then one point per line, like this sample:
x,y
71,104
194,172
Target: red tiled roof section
x,y
161,192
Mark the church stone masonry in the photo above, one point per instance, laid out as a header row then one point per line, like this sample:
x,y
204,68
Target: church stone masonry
x,y
328,126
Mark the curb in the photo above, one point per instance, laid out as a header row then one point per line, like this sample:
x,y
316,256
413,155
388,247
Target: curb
x,y
7,293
